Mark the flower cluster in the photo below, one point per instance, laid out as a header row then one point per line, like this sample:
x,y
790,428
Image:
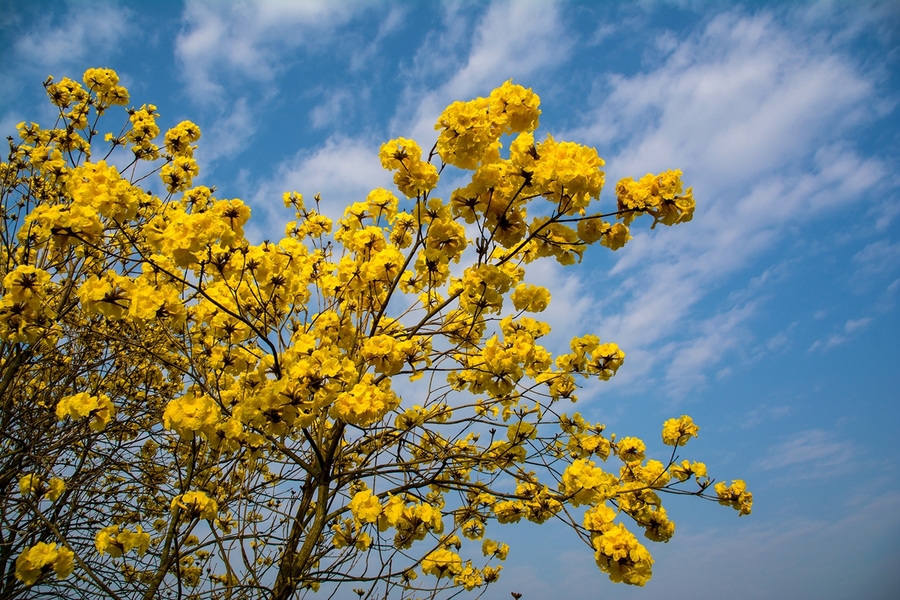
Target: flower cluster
x,y
44,556
660,195
735,496
677,432
115,541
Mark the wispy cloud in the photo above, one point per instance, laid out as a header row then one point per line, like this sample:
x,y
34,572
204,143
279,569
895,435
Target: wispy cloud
x,y
250,39
764,414
856,324
343,170
227,135
811,454
332,107
733,556
755,116
83,30
848,332
877,257
388,25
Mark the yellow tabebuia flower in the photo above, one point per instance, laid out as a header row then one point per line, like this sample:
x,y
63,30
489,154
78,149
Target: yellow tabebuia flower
x,y
26,284
366,402
677,432
442,563
365,507
105,83
178,139
660,195
736,496
630,449
532,298
197,504
29,484
55,488
586,483
194,413
100,187
34,561
391,512
687,469
469,578
624,558
110,540
100,408
494,548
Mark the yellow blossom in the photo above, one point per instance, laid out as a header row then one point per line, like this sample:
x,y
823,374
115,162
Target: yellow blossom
x,y
100,408
677,432
32,562
736,496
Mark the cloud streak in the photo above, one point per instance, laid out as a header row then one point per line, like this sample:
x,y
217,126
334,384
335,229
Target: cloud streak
x,y
756,116
250,39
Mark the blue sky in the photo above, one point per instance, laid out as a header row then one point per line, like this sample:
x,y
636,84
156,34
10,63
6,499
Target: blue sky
x,y
772,318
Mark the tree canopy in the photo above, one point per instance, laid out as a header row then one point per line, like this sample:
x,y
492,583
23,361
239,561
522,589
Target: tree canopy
x,y
362,403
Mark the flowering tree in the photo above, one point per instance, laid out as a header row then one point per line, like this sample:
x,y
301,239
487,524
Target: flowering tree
x,y
187,413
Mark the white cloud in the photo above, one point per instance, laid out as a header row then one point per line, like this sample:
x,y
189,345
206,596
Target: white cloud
x,y
571,309
763,414
391,23
85,30
848,332
811,454
250,38
227,135
513,39
343,171
856,324
877,257
331,108
754,115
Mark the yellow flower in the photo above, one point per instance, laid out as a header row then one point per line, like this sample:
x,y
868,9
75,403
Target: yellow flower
x,y
105,541
103,189
391,512
134,540
178,140
516,106
365,403
531,298
81,405
56,488
586,483
686,469
191,414
677,432
30,565
29,484
469,578
381,351
619,554
736,496
26,284
630,449
442,563
197,504
599,519
658,195
493,548
365,507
